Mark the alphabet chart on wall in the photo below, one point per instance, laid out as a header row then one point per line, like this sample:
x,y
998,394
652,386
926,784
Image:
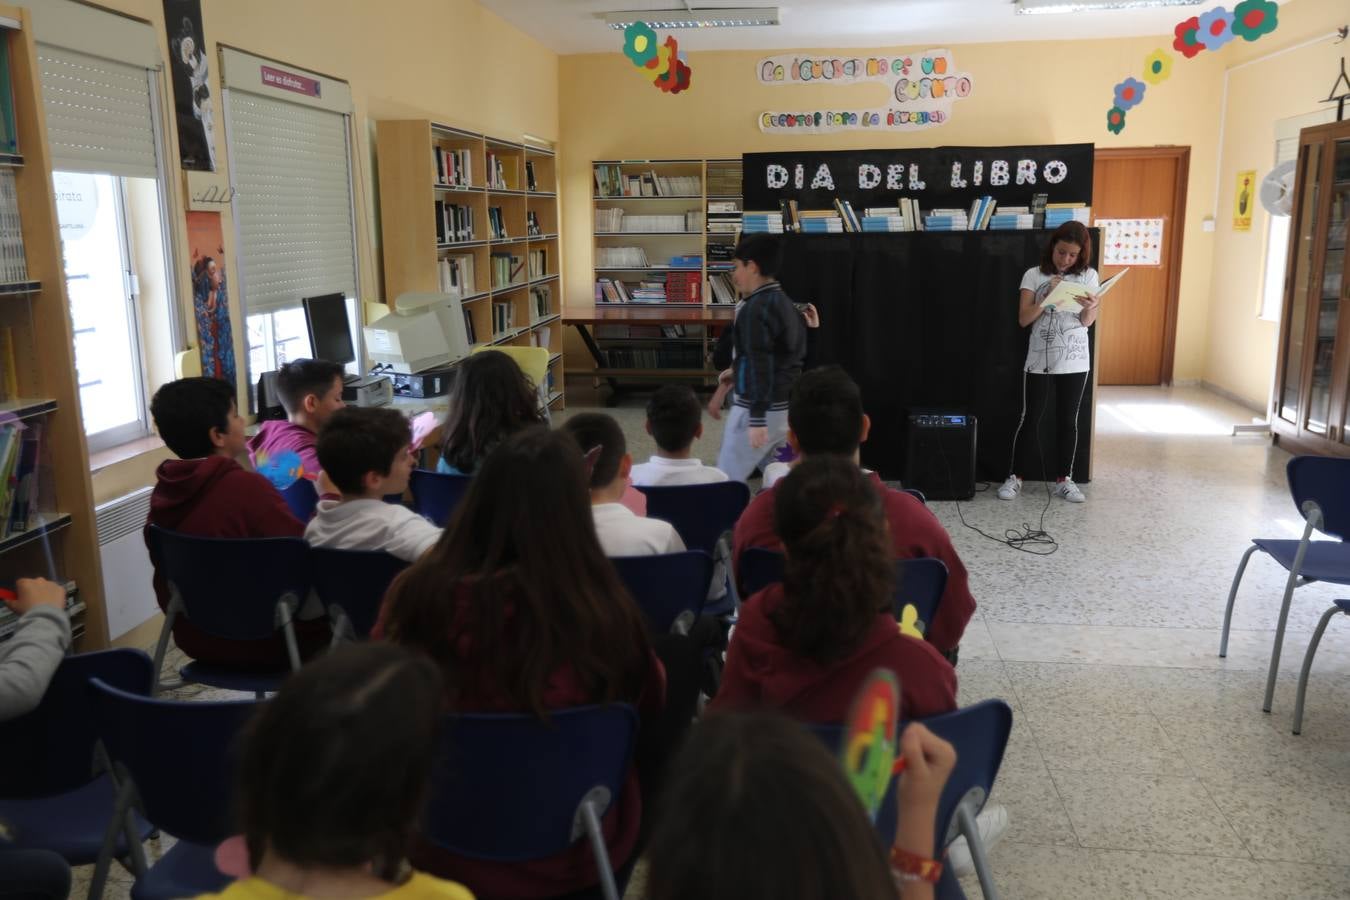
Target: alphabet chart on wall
x,y
1131,242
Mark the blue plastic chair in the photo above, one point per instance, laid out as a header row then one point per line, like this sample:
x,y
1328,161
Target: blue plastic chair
x,y
436,494
513,787
917,494
980,735
302,497
758,568
1320,486
670,588
175,764
237,589
54,794
351,585
701,513
1337,607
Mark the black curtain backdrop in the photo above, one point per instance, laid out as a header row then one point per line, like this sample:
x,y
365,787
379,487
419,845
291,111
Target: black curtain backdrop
x,y
929,320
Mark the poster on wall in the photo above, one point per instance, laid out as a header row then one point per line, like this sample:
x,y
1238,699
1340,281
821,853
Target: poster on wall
x,y
191,85
210,297
1244,199
1131,242
921,89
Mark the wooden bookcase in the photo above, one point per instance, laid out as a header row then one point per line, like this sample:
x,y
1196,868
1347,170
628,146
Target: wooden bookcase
x,y
37,315
519,191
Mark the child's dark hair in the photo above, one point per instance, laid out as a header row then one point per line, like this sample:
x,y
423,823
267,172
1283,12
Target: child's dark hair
x,y
186,410
490,400
825,412
1069,233
728,830
674,415
523,532
839,572
357,440
334,769
764,250
299,378
591,430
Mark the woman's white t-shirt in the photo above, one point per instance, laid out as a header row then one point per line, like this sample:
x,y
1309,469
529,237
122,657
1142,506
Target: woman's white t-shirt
x,y
1059,341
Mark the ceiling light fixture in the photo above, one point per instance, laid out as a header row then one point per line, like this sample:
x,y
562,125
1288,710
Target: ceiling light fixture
x,y
1040,7
712,17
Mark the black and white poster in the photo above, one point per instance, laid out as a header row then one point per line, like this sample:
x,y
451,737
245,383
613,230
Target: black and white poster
x,y
191,85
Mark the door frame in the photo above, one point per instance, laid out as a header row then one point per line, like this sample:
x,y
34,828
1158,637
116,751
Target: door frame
x,y
1182,156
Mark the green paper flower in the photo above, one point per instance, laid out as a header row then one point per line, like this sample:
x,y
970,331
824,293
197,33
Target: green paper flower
x,y
1253,18
1115,120
639,43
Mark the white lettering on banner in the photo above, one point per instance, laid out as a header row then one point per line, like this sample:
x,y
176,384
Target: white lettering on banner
x,y
823,179
869,176
1026,171
800,178
776,176
998,172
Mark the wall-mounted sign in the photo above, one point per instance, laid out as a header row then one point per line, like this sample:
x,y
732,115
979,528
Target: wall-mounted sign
x,y
289,81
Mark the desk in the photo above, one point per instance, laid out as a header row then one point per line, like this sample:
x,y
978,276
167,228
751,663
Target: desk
x,y
583,316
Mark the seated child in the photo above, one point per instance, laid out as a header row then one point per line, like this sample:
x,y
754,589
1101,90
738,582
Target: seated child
x,y
311,391
621,531
205,492
333,778
674,420
366,453
490,400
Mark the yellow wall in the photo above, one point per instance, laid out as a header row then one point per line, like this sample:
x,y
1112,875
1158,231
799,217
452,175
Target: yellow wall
x,y
449,60
1024,93
1241,347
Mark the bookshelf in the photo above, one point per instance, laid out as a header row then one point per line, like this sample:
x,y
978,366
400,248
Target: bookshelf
x,y
477,216
662,229
38,383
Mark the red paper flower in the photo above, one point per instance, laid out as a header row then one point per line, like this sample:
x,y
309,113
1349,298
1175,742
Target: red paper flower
x,y
1187,41
1253,18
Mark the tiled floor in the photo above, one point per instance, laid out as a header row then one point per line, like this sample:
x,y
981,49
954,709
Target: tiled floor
x,y
1140,763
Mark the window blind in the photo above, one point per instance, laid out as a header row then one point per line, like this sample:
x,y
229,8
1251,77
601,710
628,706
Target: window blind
x,y
290,167
99,115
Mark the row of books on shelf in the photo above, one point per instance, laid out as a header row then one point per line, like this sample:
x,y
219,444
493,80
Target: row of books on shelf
x,y
985,214
454,222
531,183
497,223
621,257
13,265
721,251
532,228
656,357
724,180
615,221
724,216
20,451
670,287
647,332
506,269
503,318
721,289
453,167
456,275
9,620
496,173
538,263
541,301
612,181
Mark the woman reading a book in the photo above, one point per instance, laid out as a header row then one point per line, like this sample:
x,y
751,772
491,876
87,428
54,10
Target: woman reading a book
x,y
1058,363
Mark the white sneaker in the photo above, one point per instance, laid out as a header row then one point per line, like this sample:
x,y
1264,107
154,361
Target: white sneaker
x,y
1010,489
1069,491
992,822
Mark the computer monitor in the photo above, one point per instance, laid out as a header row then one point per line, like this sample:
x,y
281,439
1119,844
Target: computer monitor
x,y
330,335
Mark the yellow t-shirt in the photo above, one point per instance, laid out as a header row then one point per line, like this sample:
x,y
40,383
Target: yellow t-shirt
x,y
419,887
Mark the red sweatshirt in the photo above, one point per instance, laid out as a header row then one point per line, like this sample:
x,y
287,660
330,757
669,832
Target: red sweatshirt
x,y
916,533
574,869
216,497
761,672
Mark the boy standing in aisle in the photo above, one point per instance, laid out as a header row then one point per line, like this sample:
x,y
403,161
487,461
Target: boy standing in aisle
x,y
770,343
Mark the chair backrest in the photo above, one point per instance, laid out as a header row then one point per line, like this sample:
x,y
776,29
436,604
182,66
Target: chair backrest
x,y
758,568
1325,480
920,583
51,749
302,497
884,823
980,734
916,494
354,581
436,494
181,756
701,513
533,361
230,586
668,587
508,786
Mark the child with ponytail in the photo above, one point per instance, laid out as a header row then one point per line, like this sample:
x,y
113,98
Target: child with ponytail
x,y
805,646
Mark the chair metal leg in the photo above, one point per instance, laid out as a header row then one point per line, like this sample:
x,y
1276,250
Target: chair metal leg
x,y
601,852
1290,584
1307,667
1232,596
979,858
117,826
162,645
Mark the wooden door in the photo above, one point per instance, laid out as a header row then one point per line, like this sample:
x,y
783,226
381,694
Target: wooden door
x,y
1136,329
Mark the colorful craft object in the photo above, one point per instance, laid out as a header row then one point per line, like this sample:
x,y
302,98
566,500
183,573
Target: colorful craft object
x,y
870,741
661,64
283,470
1249,20
910,623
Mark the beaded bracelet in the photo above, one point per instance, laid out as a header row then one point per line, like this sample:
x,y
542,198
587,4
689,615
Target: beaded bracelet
x,y
909,866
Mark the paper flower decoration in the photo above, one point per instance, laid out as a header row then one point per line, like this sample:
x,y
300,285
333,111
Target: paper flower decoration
x,y
1158,66
1216,28
1253,18
1129,93
1187,41
660,64
1115,120
676,78
639,43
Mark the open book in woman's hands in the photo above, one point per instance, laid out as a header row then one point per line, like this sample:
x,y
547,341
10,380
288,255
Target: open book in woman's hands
x,y
1066,294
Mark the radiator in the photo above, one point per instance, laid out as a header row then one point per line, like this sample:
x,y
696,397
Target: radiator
x,y
128,594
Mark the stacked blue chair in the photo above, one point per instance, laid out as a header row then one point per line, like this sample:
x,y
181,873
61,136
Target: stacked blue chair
x,y
436,494
351,585
53,796
175,765
670,589
703,515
